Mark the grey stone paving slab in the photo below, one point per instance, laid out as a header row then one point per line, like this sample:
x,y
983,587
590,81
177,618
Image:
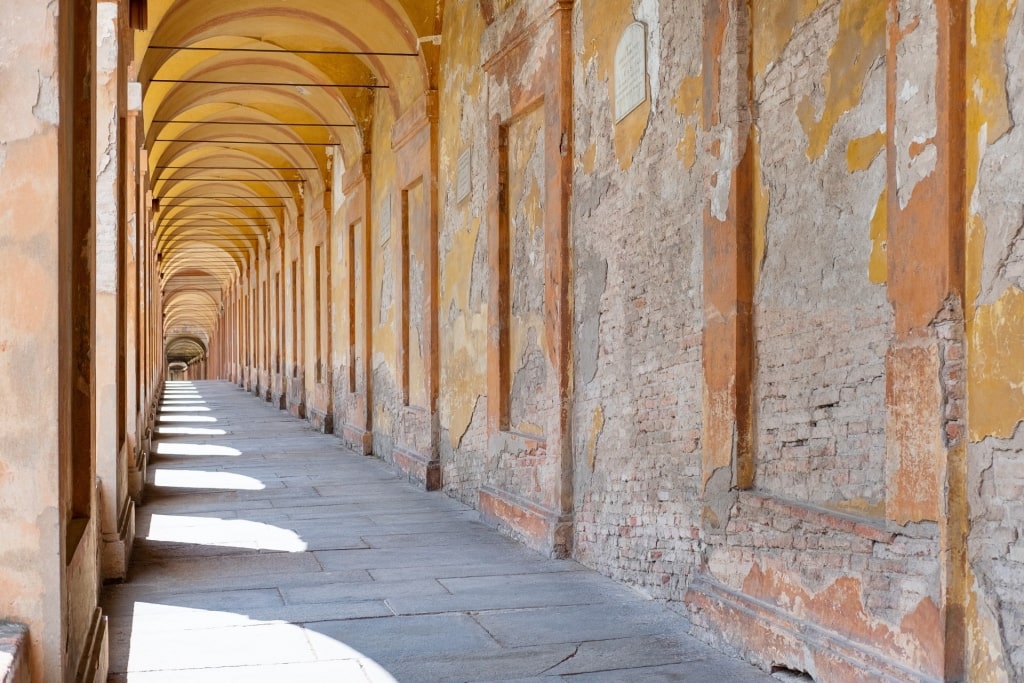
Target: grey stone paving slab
x,y
224,570
628,653
389,590
510,568
488,555
504,665
311,563
508,592
576,623
123,603
395,638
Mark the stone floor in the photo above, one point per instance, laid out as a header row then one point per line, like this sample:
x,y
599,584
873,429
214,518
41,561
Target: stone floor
x,y
268,552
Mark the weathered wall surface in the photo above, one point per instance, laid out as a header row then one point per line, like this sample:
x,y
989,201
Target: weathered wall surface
x,y
465,278
637,264
822,320
30,506
383,236
995,280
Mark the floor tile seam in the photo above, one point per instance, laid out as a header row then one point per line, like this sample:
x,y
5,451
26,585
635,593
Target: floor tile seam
x,y
490,635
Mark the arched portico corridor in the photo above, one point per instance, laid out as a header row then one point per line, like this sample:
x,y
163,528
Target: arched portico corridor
x,y
722,300
268,552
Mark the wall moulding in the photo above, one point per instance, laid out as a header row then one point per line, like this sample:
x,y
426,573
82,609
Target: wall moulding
x,y
527,56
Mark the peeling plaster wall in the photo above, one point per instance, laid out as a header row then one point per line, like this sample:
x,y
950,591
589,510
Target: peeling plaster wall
x,y
636,234
385,248
995,285
465,277
822,326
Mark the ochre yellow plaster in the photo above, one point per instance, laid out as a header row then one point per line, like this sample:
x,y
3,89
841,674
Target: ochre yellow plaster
x,y
878,262
985,660
774,23
995,378
860,152
595,431
603,24
385,342
686,150
689,98
861,41
986,78
761,204
465,372
863,507
464,329
996,367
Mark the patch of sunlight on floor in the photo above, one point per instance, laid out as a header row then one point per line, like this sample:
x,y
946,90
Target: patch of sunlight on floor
x,y
166,448
233,533
168,642
186,418
183,401
198,479
184,409
191,431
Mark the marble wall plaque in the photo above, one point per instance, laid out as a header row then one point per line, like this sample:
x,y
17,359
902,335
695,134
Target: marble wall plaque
x,y
630,70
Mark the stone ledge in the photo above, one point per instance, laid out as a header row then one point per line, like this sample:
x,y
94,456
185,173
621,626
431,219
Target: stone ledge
x,y
13,652
830,519
766,636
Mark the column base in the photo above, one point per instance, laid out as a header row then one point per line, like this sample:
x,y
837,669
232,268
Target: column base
x,y
116,549
357,438
419,468
322,421
537,527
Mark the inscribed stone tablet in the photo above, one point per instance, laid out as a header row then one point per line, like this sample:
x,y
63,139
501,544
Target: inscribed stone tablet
x,y
463,182
630,70
385,220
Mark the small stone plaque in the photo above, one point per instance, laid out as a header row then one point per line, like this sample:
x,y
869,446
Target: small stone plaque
x,y
630,70
385,220
464,179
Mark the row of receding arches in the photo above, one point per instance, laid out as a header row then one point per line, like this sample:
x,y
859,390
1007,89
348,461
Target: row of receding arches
x,y
247,106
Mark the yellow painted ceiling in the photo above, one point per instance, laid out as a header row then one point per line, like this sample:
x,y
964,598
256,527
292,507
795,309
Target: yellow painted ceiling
x,y
247,104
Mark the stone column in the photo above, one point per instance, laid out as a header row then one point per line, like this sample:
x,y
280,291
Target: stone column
x,y
115,506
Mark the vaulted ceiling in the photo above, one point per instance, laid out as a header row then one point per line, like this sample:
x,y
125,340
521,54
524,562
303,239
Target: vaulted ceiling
x,y
249,104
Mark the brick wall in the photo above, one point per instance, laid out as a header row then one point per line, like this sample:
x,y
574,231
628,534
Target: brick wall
x,y
637,255
822,325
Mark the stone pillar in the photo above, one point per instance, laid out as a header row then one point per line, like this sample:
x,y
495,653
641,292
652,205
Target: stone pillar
x,y
925,440
115,506
728,268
